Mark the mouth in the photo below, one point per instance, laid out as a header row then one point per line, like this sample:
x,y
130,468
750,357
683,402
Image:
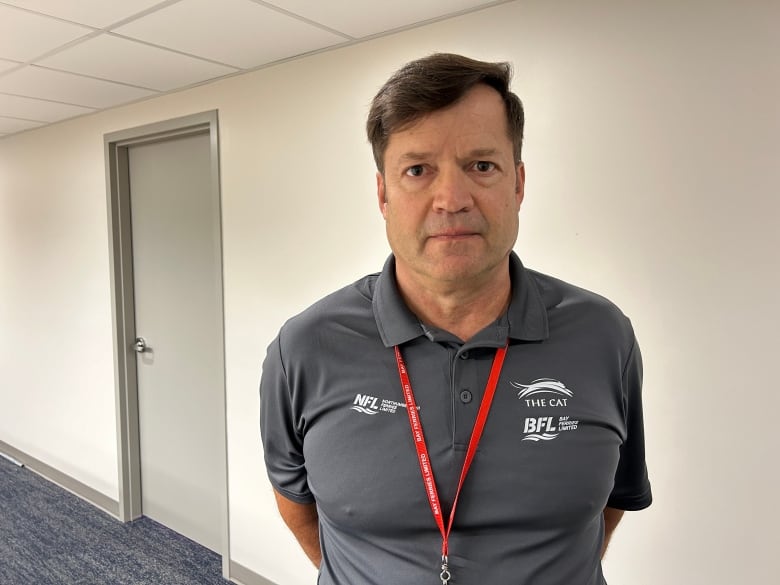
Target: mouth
x,y
453,235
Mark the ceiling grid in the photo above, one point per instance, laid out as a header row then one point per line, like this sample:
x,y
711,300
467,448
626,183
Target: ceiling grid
x,y
61,59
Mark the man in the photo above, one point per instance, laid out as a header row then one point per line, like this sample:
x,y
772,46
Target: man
x,y
454,375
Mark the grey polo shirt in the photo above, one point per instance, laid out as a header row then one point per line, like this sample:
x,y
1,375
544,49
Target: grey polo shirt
x,y
564,437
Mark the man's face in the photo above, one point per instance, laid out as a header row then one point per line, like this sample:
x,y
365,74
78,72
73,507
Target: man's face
x,y
451,192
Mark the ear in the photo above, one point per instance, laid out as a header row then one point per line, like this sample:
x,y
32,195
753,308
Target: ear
x,y
381,194
520,184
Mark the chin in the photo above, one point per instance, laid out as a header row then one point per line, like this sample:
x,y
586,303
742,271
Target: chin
x,y
449,271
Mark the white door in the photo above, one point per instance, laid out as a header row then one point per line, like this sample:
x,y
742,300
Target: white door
x,y
177,283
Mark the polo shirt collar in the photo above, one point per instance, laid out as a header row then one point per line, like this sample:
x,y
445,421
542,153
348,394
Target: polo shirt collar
x,y
526,316
527,313
396,323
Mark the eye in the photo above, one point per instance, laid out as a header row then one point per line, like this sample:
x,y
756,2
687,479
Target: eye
x,y
415,171
484,166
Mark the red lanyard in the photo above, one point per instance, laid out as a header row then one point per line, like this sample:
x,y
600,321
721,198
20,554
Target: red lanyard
x,y
422,449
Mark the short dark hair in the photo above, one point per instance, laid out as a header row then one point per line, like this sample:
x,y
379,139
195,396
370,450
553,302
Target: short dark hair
x,y
433,83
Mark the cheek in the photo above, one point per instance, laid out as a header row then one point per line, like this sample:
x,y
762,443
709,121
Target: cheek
x,y
394,217
404,208
504,220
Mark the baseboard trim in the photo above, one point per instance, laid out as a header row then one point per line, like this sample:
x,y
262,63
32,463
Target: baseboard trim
x,y
74,486
243,576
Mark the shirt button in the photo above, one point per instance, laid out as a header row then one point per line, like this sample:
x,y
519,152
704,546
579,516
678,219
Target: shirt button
x,y
465,396
464,355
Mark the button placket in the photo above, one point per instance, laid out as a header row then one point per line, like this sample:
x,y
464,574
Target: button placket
x,y
465,373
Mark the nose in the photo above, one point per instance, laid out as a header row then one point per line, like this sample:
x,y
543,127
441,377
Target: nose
x,y
452,191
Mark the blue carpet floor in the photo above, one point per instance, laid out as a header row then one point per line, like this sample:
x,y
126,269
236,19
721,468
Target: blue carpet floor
x,y
50,537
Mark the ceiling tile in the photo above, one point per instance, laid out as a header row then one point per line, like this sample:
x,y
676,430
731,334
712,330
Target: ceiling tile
x,y
375,16
123,60
32,81
7,65
34,109
97,13
25,36
10,125
241,33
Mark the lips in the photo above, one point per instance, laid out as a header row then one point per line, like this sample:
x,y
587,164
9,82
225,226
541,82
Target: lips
x,y
453,233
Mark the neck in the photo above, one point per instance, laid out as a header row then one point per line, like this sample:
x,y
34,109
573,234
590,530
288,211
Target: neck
x,y
463,309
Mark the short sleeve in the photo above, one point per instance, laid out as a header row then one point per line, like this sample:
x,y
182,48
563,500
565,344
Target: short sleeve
x,y
631,490
281,436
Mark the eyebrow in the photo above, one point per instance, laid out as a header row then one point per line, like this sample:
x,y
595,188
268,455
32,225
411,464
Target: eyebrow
x,y
418,156
478,152
414,156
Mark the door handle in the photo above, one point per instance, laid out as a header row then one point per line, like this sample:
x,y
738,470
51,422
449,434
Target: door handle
x,y
140,345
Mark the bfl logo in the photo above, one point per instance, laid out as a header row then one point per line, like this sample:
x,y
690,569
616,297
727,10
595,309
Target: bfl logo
x,y
539,424
545,393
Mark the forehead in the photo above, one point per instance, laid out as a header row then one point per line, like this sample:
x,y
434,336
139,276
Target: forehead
x,y
476,121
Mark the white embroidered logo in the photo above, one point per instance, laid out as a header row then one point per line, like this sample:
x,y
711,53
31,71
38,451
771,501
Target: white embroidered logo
x,y
372,405
555,394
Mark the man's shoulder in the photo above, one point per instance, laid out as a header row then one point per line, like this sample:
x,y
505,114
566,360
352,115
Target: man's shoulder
x,y
350,304
575,303
556,291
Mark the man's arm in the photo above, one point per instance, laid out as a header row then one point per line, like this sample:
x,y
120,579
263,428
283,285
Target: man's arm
x,y
612,517
303,522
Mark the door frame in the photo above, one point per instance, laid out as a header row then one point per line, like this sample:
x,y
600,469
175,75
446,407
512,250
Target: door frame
x,y
116,145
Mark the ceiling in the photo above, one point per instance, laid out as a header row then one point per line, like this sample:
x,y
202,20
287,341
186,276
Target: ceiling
x,y
65,58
